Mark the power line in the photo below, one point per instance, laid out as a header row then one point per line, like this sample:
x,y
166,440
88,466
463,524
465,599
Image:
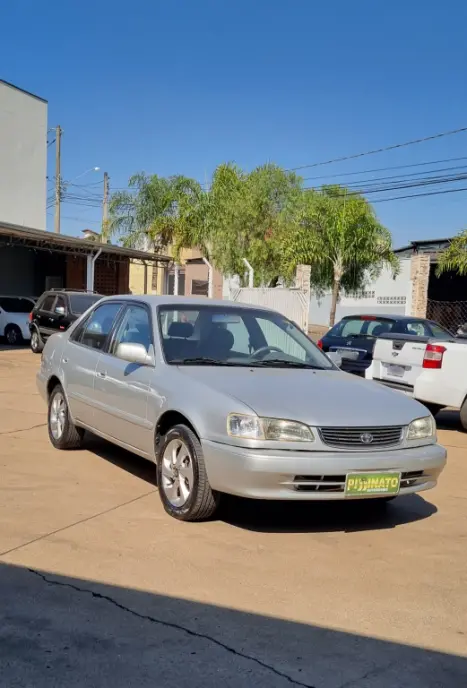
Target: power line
x,y
381,150
384,169
427,193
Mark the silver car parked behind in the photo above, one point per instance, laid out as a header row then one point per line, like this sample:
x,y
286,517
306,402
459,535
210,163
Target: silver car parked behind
x,y
229,398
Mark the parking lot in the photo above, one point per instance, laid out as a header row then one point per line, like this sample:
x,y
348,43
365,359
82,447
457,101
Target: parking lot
x,y
100,587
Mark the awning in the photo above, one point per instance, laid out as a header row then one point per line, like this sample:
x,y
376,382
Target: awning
x,y
39,239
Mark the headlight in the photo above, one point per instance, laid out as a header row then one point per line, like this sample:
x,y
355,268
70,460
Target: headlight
x,y
422,429
255,428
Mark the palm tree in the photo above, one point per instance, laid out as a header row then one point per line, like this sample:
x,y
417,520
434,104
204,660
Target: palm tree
x,y
148,216
337,233
455,256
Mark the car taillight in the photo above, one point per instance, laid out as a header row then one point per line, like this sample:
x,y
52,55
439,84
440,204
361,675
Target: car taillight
x,y
320,344
30,317
433,357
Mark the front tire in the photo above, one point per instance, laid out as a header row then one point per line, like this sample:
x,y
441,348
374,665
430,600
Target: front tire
x,y
37,345
63,433
13,335
182,479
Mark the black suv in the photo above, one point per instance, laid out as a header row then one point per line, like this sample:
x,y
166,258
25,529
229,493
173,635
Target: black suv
x,y
55,311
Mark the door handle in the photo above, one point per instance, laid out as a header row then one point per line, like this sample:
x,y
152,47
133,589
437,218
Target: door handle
x,y
102,374
65,360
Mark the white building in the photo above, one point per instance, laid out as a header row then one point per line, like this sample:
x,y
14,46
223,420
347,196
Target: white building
x,y
23,157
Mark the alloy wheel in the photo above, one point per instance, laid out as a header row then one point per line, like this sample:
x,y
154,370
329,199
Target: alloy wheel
x,y
177,473
57,417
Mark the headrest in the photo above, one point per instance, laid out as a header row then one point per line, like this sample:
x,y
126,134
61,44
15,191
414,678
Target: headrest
x,y
180,329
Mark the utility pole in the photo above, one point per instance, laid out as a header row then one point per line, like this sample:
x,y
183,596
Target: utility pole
x,y
58,179
105,210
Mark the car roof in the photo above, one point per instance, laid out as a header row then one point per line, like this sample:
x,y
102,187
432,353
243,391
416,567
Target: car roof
x,y
185,301
385,316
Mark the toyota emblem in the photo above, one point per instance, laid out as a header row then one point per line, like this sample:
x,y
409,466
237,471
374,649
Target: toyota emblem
x,y
366,438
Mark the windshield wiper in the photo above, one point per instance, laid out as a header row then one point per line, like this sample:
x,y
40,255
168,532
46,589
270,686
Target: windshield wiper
x,y
200,360
280,363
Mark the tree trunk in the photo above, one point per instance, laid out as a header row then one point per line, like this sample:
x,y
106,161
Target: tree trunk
x,y
335,295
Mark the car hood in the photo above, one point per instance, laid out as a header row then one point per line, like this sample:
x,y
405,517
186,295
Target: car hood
x,y
315,397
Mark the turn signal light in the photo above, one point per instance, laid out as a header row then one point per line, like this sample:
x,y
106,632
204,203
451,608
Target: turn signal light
x,y
433,357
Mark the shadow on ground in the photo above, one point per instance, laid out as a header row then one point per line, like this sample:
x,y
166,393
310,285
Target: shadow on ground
x,y
284,517
58,631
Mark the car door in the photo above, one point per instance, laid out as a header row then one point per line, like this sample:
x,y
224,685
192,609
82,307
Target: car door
x,y
81,356
121,388
45,316
56,322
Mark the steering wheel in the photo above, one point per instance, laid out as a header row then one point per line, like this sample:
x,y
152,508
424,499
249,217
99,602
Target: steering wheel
x,y
262,351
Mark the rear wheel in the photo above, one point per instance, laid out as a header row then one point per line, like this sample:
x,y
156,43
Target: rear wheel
x,y
13,335
182,479
37,344
463,414
63,433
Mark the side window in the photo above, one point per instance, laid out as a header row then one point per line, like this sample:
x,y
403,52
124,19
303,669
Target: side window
x,y
135,328
60,306
351,327
99,325
47,304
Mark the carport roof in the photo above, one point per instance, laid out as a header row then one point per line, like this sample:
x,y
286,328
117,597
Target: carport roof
x,y
43,240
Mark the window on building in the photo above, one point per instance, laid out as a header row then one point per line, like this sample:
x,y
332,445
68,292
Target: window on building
x,y
199,287
181,283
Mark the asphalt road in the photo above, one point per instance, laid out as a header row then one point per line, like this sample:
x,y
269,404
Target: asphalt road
x,y
98,587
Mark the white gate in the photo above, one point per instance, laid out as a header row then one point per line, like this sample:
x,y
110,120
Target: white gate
x,y
293,303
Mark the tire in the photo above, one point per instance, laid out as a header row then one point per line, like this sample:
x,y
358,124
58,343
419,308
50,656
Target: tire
x,y
13,335
63,433
434,409
463,415
182,479
37,345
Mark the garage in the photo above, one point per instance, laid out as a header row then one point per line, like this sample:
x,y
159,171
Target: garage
x,y
32,261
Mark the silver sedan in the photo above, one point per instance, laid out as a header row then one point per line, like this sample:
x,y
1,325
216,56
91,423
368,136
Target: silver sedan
x,y
230,398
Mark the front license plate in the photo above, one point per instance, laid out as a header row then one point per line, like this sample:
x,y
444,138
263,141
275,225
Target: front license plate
x,y
347,353
359,484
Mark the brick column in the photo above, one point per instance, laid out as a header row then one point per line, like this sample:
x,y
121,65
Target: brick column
x,y
419,275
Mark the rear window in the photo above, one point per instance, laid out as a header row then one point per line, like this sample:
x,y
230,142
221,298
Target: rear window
x,y
361,326
80,303
12,305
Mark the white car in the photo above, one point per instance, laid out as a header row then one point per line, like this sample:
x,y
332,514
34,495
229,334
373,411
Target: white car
x,y
429,370
14,318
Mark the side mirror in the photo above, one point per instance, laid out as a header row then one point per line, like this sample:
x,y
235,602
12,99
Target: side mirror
x,y
335,358
60,310
133,353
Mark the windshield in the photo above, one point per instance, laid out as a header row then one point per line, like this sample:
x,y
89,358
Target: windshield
x,y
81,302
216,335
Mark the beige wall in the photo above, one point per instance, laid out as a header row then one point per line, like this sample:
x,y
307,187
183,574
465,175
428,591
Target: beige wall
x,y
156,282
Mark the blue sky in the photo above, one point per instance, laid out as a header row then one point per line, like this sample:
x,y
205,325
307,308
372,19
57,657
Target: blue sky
x,y
181,85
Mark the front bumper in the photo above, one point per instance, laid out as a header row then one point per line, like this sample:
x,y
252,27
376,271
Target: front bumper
x,y
287,475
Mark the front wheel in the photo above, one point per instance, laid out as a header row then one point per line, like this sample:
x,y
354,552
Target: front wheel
x,y
63,433
182,479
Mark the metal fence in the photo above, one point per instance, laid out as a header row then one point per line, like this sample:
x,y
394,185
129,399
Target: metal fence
x,y
449,314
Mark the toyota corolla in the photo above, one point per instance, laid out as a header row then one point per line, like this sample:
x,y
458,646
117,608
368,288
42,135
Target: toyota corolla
x,y
231,398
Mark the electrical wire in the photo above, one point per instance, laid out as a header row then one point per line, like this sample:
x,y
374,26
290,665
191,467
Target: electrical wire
x,y
380,150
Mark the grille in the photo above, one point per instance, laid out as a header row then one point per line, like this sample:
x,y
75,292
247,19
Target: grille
x,y
336,483
361,438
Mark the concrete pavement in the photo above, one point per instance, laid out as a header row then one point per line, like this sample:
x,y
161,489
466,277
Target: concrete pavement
x,y
98,587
